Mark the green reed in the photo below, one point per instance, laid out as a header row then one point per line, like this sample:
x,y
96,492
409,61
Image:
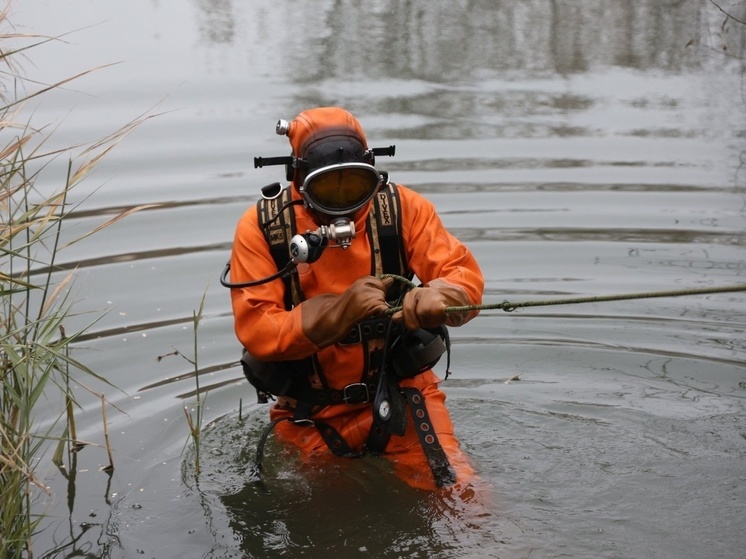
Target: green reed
x,y
195,416
195,420
37,369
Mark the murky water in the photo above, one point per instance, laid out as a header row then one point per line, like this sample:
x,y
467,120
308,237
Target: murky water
x,y
579,148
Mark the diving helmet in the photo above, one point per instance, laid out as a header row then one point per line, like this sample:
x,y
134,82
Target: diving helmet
x,y
331,164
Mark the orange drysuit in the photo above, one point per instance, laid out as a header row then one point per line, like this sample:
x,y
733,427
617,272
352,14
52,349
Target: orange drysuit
x,y
269,332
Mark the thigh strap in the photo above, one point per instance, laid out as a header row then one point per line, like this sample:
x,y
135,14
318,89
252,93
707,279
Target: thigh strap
x,y
436,457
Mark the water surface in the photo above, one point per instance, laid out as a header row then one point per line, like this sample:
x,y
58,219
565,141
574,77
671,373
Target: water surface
x,y
578,148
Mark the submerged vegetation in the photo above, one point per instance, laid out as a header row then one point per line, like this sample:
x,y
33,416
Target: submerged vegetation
x,y
37,368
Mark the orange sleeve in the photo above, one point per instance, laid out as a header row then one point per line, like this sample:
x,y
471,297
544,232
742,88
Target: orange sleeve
x,y
433,252
262,325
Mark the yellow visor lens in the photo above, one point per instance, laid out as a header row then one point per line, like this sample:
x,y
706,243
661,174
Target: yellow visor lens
x,y
341,188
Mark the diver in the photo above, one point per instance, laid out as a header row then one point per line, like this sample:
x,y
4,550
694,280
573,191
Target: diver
x,y
311,287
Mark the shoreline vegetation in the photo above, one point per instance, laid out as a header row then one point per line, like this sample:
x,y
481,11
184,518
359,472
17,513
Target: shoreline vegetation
x,y
39,374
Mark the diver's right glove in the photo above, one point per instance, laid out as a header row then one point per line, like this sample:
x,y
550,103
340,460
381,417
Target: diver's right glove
x,y
327,318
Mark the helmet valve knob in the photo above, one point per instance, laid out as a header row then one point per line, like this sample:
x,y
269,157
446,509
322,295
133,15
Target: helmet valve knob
x,y
282,128
342,230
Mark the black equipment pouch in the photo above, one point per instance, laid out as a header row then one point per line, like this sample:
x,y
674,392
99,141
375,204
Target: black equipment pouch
x,y
416,351
292,379
273,378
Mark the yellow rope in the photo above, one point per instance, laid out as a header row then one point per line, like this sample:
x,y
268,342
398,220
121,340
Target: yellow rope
x,y
508,306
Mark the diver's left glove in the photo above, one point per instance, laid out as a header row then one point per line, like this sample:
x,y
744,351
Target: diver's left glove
x,y
424,307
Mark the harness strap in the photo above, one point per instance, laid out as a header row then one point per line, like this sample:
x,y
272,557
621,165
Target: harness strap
x,y
277,219
384,234
440,466
378,438
369,329
335,441
331,437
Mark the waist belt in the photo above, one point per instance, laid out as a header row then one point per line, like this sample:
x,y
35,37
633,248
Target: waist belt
x,y
352,394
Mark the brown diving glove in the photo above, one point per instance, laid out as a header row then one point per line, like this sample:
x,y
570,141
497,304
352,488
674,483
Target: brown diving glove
x,y
327,318
424,307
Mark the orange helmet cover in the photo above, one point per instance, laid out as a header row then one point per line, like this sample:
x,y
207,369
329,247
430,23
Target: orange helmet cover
x,y
318,123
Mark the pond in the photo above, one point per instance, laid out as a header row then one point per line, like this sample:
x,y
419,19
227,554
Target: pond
x,y
579,148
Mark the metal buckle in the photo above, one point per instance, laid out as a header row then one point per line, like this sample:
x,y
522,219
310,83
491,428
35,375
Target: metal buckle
x,y
358,392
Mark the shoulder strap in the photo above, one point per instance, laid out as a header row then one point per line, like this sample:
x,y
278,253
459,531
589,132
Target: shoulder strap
x,y
277,220
384,232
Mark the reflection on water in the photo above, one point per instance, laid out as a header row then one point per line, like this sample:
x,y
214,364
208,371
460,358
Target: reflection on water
x,y
578,147
440,42
216,21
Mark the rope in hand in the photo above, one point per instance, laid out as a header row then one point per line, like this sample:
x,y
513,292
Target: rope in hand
x,y
508,306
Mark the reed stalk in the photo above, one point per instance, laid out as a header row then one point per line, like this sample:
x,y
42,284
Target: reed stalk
x,y
36,362
195,416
